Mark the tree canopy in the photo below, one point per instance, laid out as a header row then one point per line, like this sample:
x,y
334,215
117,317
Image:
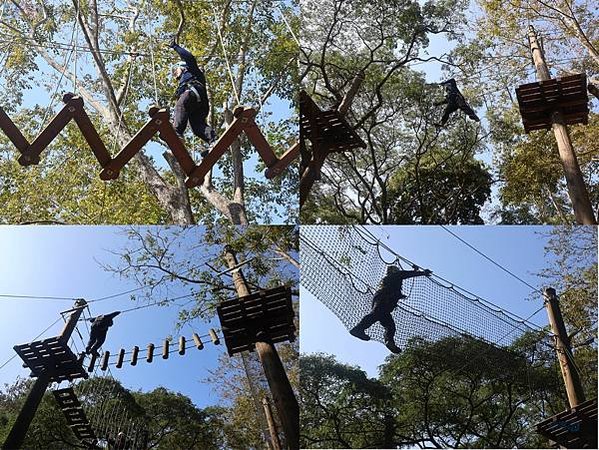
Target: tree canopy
x,y
365,58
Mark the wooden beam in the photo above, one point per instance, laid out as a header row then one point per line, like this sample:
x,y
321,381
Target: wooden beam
x,y
12,132
141,138
221,146
49,133
284,161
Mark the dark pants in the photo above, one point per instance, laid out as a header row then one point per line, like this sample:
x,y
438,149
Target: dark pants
x,y
97,336
193,110
381,312
453,104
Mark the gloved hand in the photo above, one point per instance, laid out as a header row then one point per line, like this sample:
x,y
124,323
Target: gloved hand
x,y
428,272
172,41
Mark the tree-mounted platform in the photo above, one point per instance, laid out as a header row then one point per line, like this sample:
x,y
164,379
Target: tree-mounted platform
x,y
265,316
573,428
328,132
539,101
51,358
159,123
75,415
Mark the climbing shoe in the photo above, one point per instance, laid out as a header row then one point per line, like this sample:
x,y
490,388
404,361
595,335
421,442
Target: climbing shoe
x,y
392,347
359,333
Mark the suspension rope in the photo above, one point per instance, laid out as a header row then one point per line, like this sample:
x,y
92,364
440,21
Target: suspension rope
x,y
37,337
150,37
491,260
222,44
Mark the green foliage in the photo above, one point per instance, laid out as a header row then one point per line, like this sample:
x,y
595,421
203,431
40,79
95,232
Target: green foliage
x,y
173,421
440,188
458,392
341,407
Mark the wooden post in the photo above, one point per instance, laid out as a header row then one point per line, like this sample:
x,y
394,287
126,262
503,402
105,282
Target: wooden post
x,y
282,393
562,348
576,187
19,429
272,427
165,348
120,358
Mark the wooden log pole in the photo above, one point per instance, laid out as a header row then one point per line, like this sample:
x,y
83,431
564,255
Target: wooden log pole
x,y
105,360
150,353
134,355
214,336
281,390
563,349
165,348
181,345
17,434
121,357
577,191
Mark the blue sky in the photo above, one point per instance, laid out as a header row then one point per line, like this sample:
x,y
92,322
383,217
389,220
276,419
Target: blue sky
x,y
64,262
520,249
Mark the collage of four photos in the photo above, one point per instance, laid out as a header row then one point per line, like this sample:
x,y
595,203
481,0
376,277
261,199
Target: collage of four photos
x,y
285,224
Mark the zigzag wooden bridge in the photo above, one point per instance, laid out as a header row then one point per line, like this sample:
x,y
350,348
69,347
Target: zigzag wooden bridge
x,y
159,123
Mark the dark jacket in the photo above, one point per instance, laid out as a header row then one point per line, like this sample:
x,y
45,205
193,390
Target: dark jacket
x,y
193,72
104,321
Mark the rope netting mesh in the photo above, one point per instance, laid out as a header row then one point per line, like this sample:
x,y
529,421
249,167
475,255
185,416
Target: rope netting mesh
x,y
342,267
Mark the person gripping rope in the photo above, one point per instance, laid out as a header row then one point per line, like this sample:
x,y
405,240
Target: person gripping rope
x,y
385,300
192,98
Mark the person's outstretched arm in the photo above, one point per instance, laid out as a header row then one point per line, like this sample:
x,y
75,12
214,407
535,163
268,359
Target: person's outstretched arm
x,y
192,63
405,274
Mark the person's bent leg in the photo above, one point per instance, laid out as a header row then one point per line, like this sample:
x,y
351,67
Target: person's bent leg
x,y
101,338
182,113
367,321
389,325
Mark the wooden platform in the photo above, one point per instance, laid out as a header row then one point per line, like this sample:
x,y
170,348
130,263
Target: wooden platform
x,y
326,130
264,316
51,357
538,101
573,428
74,414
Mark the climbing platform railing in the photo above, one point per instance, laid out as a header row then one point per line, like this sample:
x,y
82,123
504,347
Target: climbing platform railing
x,y
159,123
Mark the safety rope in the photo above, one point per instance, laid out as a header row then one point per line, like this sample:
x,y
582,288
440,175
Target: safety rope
x,y
222,44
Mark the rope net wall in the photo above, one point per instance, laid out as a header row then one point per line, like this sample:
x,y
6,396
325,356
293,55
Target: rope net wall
x,y
342,267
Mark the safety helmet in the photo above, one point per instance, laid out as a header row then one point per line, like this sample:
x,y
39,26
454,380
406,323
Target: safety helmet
x,y
180,65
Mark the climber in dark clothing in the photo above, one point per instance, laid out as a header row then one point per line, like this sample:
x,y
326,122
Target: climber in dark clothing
x,y
454,101
192,99
384,302
99,328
